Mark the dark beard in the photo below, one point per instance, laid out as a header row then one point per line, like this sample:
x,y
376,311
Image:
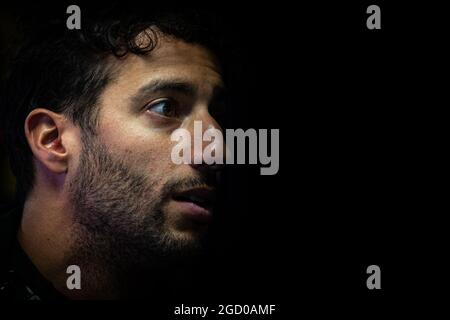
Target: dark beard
x,y
119,223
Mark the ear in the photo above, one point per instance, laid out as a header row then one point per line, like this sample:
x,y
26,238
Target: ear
x,y
43,130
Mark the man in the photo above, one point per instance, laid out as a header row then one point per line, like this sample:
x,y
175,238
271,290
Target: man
x,y
90,114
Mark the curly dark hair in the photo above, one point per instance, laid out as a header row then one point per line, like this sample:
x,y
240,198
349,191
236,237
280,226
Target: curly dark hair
x,y
66,70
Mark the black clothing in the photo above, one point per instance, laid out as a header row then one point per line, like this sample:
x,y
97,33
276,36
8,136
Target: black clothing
x,y
19,278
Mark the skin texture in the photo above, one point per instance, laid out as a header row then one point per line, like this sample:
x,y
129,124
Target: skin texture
x,y
104,202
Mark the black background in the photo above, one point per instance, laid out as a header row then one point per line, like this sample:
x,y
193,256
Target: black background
x,y
356,113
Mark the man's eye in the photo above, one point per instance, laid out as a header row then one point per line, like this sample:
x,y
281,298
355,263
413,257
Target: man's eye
x,y
163,108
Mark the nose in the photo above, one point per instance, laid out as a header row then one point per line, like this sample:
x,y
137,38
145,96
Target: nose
x,y
207,147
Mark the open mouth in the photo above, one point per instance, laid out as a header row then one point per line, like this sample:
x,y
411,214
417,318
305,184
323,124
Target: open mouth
x,y
202,197
196,204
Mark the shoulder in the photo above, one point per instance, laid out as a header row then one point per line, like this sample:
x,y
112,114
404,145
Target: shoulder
x,y
9,221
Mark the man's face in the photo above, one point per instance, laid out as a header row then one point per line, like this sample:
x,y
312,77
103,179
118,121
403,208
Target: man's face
x,y
126,189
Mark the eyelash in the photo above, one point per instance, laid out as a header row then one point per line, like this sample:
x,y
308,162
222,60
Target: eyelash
x,y
170,102
217,111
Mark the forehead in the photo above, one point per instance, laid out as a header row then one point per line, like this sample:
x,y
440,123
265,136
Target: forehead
x,y
171,58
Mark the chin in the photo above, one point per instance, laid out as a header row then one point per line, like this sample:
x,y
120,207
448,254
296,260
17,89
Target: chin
x,y
186,240
187,236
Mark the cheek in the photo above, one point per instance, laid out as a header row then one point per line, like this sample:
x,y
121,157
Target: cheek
x,y
151,157
148,152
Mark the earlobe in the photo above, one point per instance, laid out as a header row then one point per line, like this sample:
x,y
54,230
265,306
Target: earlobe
x,y
43,130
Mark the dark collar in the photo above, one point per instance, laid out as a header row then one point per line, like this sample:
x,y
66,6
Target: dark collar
x,y
19,278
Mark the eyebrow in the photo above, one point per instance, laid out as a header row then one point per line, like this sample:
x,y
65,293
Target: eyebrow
x,y
177,85
164,85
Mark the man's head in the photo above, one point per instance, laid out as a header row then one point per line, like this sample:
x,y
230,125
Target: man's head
x,y
91,113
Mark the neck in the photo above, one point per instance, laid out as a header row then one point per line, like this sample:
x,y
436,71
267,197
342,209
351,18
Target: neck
x,y
48,237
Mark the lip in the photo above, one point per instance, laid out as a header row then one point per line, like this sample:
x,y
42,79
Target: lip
x,y
194,212
196,204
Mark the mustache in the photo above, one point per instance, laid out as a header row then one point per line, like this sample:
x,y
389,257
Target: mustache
x,y
183,184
